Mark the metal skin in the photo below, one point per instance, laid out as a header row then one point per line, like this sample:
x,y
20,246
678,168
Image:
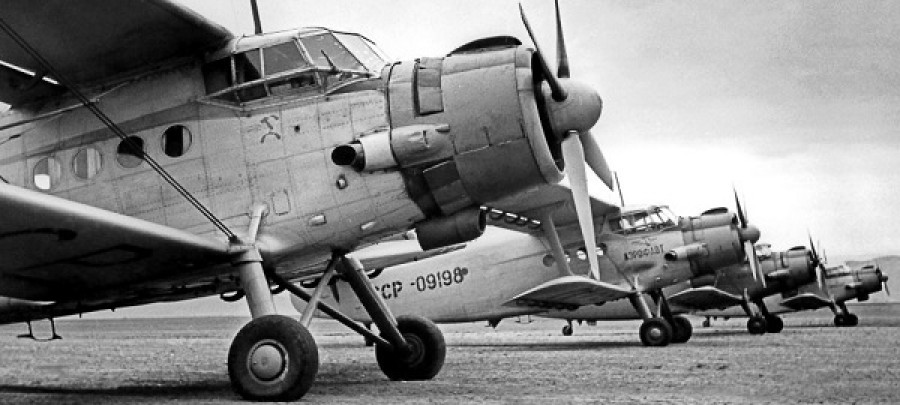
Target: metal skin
x,y
236,161
435,139
467,287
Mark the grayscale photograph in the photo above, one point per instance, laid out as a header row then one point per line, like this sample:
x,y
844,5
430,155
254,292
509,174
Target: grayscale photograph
x,y
506,201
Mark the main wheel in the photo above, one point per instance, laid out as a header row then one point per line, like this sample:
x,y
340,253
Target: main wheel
x,y
427,351
851,320
656,332
840,320
681,329
273,358
567,330
756,325
774,324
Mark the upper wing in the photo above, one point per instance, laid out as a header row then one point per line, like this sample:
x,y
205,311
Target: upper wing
x,y
701,298
94,41
804,301
515,212
59,250
569,291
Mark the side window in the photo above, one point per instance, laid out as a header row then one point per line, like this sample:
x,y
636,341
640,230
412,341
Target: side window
x,y
47,173
176,140
129,154
87,163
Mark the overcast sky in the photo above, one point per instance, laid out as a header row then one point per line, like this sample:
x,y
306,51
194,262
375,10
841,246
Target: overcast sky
x,y
796,103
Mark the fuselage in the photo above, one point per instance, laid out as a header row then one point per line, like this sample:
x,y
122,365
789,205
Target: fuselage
x,y
256,123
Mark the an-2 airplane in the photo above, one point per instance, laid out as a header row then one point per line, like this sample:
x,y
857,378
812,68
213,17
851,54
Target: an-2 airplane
x,y
836,286
641,251
151,155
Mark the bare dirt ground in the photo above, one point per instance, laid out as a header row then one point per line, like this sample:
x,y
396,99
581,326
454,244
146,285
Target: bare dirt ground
x,y
182,360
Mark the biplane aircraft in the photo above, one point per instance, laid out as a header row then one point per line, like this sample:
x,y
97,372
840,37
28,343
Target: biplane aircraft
x,y
640,251
151,155
835,286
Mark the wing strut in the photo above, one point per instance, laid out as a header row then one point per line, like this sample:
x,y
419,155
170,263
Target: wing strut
x,y
555,245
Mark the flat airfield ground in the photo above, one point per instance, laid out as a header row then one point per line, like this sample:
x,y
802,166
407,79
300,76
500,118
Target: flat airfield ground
x,y
182,360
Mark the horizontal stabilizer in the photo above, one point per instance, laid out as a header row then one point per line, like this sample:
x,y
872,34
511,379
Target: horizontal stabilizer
x,y
806,301
705,298
569,292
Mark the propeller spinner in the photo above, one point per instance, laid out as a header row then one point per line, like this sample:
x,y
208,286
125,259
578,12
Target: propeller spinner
x,y
572,109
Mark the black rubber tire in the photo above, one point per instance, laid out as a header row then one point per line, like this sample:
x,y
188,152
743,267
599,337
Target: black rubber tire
x,y
840,320
427,356
756,325
656,332
567,330
774,324
298,350
682,330
851,320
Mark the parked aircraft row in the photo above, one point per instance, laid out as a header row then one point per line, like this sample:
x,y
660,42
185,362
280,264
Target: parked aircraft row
x,y
642,255
150,155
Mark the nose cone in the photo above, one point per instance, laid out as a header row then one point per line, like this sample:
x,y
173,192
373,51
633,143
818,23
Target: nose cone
x,y
750,233
580,111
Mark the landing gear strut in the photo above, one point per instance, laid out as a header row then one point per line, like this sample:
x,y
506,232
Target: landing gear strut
x,y
845,318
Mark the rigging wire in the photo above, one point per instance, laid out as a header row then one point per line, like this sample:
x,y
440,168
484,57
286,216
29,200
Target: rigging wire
x,y
117,130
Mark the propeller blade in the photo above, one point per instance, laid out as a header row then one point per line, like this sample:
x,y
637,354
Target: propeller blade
x,y
558,92
741,217
812,249
750,251
884,280
574,156
886,289
594,158
562,58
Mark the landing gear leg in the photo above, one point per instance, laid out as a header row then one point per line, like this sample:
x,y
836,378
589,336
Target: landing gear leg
x,y
369,341
756,324
681,326
273,357
774,324
415,348
845,318
567,330
654,331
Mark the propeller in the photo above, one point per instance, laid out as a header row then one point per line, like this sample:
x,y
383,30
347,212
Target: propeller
x,y
573,108
749,234
883,279
818,263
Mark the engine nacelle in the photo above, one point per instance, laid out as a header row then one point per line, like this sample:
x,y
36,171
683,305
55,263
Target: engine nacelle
x,y
457,228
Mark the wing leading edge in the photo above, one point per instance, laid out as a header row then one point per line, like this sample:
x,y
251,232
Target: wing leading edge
x,y
569,291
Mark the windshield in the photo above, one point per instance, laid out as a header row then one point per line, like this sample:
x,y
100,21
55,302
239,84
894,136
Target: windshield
x,y
654,218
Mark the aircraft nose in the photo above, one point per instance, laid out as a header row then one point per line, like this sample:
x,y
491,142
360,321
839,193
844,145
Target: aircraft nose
x,y
749,233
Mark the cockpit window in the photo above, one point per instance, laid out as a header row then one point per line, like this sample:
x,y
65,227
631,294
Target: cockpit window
x,y
283,57
364,50
326,44
655,218
292,66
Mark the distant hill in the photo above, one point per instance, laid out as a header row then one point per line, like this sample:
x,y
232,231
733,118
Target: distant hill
x,y
890,266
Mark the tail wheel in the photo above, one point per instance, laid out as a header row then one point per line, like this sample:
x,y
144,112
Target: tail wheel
x,y
656,332
682,330
567,330
426,356
273,358
756,325
774,324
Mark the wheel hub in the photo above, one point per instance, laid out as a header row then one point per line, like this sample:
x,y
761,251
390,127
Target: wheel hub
x,y
655,333
266,360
